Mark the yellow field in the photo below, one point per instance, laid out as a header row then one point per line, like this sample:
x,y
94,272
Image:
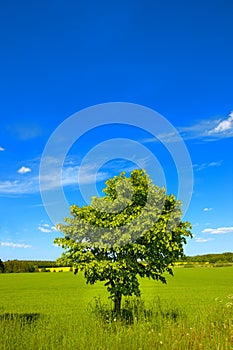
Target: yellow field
x,y
57,269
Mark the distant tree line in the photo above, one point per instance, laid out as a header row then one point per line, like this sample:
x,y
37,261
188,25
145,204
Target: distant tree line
x,y
1,266
17,266
210,258
12,266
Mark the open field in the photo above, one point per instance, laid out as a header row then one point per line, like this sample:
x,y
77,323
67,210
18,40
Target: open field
x,y
55,311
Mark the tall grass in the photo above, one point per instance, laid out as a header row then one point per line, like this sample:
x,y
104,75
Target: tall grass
x,y
193,311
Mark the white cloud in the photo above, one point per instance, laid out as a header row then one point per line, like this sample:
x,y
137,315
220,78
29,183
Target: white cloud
x,y
205,129
50,181
2,149
45,228
203,240
202,166
224,126
208,209
54,177
88,173
209,129
15,245
24,170
16,187
170,137
199,130
68,176
219,230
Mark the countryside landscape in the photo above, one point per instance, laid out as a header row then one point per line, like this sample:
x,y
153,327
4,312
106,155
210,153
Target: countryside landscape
x,y
194,310
116,175
63,304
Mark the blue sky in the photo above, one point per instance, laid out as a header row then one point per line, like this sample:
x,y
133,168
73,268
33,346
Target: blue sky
x,y
59,57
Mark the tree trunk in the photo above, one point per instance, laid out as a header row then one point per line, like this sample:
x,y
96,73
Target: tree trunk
x,y
117,303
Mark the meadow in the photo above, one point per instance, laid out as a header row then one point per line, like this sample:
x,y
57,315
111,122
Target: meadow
x,y
194,310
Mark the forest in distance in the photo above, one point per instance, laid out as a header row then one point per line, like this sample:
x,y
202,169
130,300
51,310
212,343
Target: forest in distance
x,y
18,266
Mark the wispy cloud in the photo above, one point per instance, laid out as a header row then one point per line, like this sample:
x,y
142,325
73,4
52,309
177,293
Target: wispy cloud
x,y
199,130
24,170
2,149
170,137
207,209
218,230
71,174
15,245
205,130
209,129
203,240
225,127
54,178
84,174
46,228
16,187
203,166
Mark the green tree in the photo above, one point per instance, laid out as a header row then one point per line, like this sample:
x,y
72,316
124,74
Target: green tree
x,y
134,230
1,266
17,266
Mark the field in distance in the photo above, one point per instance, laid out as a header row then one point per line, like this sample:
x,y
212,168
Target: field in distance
x,y
194,310
55,269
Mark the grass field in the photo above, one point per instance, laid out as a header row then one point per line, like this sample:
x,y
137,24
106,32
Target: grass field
x,y
55,311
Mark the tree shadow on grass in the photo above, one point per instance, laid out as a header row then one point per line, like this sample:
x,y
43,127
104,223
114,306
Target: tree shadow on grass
x,y
22,318
133,311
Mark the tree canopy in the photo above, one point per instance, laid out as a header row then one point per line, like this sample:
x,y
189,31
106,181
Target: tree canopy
x,y
134,230
11,266
1,266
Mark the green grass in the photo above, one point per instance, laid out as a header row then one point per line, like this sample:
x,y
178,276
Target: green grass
x,y
193,311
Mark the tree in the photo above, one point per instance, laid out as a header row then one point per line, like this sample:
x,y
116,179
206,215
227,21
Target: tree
x,y
17,266
134,230
1,266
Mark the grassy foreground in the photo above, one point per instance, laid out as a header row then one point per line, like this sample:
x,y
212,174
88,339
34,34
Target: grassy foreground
x,y
55,311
